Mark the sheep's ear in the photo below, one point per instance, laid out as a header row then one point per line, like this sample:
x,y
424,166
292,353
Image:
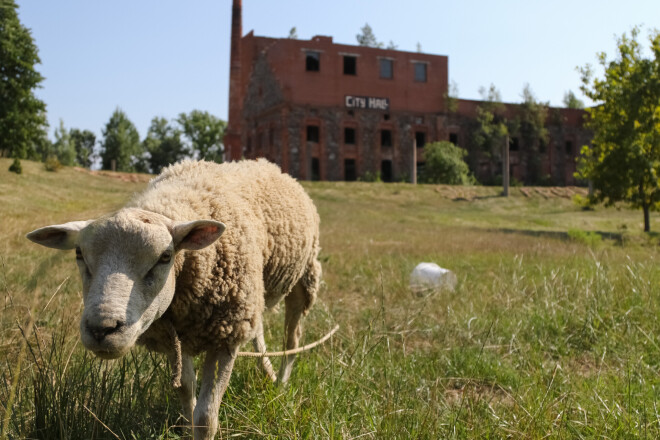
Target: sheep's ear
x,y
197,234
62,237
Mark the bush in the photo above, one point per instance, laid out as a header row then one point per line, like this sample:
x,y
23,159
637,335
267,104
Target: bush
x,y
443,163
16,167
52,164
369,176
584,237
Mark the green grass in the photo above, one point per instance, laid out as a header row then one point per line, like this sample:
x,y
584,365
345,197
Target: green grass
x,y
549,333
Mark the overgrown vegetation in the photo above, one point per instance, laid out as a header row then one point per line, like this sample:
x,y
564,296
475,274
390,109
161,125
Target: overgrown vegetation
x,y
544,336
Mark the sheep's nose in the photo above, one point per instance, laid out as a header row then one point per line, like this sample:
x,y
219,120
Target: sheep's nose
x,y
99,330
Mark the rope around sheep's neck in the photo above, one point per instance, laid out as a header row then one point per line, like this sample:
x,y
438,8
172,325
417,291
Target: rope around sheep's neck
x,y
177,365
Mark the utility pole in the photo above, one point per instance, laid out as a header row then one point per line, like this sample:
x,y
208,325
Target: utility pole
x,y
414,162
505,167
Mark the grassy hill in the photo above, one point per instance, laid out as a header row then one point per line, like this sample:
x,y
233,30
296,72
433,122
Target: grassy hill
x,y
551,331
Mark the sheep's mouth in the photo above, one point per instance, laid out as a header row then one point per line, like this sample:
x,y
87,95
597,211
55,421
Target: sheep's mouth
x,y
110,354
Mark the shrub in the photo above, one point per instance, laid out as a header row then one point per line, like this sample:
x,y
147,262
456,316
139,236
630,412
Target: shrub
x,y
16,167
370,177
444,164
584,237
52,164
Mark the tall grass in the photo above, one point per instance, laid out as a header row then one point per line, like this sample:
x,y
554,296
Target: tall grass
x,y
544,336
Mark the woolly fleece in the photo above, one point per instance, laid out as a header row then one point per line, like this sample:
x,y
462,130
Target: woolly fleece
x,y
271,242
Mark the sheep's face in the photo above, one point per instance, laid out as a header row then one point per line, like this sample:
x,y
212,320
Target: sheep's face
x,y
125,262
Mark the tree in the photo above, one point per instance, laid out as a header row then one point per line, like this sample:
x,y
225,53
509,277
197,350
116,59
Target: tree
x,y
623,161
492,124
444,163
63,148
22,115
121,143
164,145
293,33
204,133
367,38
83,143
529,125
572,101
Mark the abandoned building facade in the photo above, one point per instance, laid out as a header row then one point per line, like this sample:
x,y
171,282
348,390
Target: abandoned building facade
x,y
326,111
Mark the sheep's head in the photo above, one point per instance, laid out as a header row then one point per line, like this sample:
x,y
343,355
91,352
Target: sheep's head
x,y
125,261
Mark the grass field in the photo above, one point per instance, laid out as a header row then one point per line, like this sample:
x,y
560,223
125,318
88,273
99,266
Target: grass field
x,y
552,332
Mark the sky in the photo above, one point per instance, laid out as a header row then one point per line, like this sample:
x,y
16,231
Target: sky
x,y
164,57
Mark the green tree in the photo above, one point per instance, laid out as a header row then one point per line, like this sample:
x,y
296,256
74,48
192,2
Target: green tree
x,y
164,145
83,143
444,163
63,148
22,116
492,123
293,34
367,38
121,143
572,101
529,125
204,133
623,161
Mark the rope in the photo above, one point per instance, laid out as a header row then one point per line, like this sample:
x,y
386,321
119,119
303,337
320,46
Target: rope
x,y
177,366
293,351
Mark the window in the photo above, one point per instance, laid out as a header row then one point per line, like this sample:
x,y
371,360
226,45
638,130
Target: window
x,y
316,169
420,139
386,138
386,117
350,65
386,68
386,170
312,61
420,169
420,72
349,136
569,147
313,133
514,145
350,173
453,138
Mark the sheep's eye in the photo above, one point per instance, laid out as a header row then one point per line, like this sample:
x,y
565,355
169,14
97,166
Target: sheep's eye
x,y
79,255
165,257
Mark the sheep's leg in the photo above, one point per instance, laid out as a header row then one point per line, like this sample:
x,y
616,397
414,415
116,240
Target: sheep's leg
x,y
186,391
294,309
215,378
260,347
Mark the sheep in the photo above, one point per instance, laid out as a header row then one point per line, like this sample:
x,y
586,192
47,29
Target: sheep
x,y
189,266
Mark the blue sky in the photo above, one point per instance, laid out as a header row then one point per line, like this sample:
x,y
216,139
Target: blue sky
x,y
164,57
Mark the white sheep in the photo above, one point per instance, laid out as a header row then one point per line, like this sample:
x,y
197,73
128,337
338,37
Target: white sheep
x,y
161,272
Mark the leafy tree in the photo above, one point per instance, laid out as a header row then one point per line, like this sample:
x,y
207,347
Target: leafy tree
x,y
492,124
444,163
121,143
293,33
204,133
367,38
63,148
529,125
164,145
451,97
572,101
623,161
22,115
83,143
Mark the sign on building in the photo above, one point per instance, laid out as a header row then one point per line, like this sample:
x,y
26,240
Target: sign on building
x,y
367,102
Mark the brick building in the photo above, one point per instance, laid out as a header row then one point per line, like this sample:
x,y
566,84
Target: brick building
x,y
326,111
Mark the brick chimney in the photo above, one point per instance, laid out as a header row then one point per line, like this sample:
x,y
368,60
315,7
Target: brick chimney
x,y
232,139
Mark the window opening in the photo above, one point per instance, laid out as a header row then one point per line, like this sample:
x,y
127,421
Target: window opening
x,y
349,136
420,72
386,69
350,65
313,133
350,173
386,138
312,61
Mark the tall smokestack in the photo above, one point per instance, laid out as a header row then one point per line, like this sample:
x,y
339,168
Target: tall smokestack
x,y
232,139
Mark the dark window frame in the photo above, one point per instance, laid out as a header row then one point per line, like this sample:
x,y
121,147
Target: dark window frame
x,y
386,138
313,133
350,65
350,172
350,135
382,63
312,61
421,76
420,135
